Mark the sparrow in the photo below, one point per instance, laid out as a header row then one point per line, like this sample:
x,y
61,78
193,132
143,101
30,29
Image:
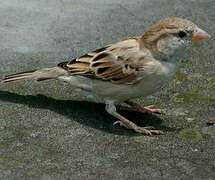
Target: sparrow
x,y
132,68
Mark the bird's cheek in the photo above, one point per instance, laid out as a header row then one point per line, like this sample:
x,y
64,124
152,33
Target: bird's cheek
x,y
161,45
168,46
186,43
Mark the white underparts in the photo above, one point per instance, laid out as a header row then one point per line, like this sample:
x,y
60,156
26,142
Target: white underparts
x,y
78,82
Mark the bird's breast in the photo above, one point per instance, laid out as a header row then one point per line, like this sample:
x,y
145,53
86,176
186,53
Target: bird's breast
x,y
160,74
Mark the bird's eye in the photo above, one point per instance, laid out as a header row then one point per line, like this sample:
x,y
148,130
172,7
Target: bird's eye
x,y
182,34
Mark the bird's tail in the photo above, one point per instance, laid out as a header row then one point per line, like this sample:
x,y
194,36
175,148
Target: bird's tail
x,y
39,75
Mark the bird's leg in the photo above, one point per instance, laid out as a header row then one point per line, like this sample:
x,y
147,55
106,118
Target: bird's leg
x,y
111,109
139,108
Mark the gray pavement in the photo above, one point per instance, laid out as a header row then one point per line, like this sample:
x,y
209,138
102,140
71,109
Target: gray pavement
x,y
46,134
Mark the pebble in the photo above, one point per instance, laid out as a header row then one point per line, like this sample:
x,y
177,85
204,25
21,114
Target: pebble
x,y
211,121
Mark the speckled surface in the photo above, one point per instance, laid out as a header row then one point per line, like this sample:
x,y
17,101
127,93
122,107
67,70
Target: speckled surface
x,y
45,134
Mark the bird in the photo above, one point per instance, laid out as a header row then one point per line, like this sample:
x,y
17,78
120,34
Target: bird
x,y
133,67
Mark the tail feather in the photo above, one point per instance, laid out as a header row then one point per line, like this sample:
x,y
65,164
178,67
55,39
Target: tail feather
x,y
39,75
18,76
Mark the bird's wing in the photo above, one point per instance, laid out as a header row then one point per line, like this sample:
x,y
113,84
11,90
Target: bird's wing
x,y
118,63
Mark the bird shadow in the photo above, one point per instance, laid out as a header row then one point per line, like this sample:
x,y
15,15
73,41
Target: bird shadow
x,y
87,113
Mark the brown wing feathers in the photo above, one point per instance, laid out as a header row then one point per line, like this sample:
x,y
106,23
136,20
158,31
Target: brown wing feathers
x,y
77,66
108,67
80,65
103,64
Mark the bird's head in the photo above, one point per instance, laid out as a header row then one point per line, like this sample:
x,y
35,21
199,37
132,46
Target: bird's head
x,y
171,34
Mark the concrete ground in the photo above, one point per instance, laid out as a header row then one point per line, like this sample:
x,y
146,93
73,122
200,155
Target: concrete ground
x,y
45,134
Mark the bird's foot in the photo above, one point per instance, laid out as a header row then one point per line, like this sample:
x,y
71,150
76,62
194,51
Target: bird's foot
x,y
143,130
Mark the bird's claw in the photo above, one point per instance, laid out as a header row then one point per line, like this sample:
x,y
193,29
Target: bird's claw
x,y
120,123
149,130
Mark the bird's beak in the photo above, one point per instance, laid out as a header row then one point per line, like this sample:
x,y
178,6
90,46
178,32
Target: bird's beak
x,y
200,34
